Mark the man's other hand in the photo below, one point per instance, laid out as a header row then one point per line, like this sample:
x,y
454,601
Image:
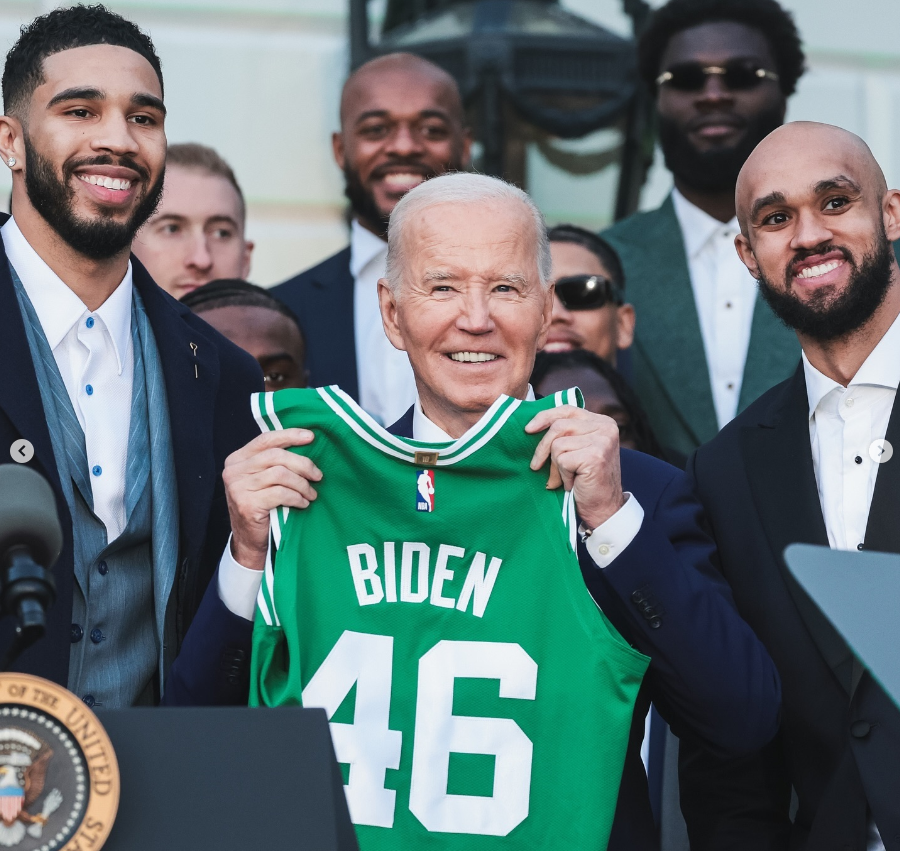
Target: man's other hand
x,y
259,477
584,448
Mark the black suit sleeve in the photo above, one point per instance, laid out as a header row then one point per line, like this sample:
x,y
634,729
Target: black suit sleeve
x,y
709,676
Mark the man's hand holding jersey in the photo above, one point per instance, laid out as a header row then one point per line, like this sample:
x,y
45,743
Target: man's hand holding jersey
x,y
261,476
584,450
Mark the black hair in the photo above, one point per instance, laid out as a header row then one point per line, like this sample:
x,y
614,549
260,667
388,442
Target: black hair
x,y
597,245
65,29
234,292
767,16
548,362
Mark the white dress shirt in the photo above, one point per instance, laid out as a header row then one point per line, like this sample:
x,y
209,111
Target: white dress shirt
x,y
95,356
238,585
844,422
386,384
725,296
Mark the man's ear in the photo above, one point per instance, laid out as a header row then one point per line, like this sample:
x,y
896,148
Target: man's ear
x,y
12,141
547,315
891,206
387,302
466,147
745,252
249,245
625,319
337,148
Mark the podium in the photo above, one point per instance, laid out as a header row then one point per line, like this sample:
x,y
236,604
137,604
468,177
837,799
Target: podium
x,y
858,593
227,779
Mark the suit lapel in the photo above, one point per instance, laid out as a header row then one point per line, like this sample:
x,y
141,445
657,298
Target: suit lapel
x,y
773,354
191,374
20,398
883,526
668,329
778,461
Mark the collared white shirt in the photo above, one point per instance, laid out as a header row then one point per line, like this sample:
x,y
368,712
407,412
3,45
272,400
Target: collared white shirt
x,y
95,356
725,296
386,384
843,424
238,585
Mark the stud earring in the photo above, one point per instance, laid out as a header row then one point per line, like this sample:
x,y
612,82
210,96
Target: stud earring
x,y
11,162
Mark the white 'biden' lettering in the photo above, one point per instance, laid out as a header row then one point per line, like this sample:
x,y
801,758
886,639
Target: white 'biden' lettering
x,y
376,583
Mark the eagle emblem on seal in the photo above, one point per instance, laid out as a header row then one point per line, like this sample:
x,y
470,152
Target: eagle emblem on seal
x,y
23,770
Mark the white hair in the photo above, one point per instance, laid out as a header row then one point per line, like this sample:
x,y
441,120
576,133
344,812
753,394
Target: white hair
x,y
460,188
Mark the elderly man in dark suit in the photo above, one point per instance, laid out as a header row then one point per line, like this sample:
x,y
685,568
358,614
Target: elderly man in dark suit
x,y
468,297
801,465
402,122
130,402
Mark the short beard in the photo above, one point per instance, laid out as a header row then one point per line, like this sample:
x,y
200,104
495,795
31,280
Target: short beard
x,y
826,317
362,201
98,239
715,170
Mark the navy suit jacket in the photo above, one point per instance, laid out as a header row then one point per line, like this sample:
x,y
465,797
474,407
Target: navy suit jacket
x,y
709,675
210,418
322,299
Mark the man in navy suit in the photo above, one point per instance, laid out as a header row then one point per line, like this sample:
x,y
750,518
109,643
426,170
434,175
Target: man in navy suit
x,y
130,402
471,305
402,122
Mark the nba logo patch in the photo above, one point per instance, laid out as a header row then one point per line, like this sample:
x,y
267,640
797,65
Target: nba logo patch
x,y
424,490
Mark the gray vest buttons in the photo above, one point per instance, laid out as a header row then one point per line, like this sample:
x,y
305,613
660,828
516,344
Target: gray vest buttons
x,y
860,729
97,636
76,634
89,699
103,568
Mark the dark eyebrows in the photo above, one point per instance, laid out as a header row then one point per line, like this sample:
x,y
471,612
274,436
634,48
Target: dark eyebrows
x,y
766,201
91,93
383,113
77,93
839,183
150,101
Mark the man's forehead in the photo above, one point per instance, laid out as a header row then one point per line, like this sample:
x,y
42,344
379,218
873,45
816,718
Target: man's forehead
x,y
793,178
101,66
397,90
717,41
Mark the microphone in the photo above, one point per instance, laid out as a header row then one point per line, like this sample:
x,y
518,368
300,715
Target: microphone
x,y
30,543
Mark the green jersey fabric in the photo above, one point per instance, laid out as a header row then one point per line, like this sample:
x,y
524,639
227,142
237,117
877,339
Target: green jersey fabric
x,y
431,601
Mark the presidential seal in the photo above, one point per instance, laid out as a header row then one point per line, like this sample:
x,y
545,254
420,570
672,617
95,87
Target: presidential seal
x,y
59,779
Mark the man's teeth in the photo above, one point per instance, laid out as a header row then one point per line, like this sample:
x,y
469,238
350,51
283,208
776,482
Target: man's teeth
x,y
404,178
821,269
106,182
472,357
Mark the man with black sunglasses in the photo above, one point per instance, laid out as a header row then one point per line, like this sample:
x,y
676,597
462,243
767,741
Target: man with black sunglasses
x,y
589,311
706,345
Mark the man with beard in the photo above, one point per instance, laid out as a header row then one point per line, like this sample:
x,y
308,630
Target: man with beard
x,y
800,465
118,391
706,346
402,122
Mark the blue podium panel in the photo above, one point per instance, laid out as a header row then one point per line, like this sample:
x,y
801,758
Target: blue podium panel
x,y
859,592
227,779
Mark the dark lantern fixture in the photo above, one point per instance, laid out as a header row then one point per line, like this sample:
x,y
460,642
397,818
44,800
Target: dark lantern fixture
x,y
528,71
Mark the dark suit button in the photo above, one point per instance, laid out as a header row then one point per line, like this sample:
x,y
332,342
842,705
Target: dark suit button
x,y
637,597
860,729
103,568
76,634
89,699
655,622
97,635
859,546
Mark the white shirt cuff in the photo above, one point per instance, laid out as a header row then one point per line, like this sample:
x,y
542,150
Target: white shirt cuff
x,y
238,585
611,537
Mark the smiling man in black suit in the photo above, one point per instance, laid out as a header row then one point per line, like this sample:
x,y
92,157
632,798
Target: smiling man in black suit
x,y
800,465
130,402
402,122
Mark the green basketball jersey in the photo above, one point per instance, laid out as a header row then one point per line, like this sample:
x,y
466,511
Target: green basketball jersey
x,y
431,601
